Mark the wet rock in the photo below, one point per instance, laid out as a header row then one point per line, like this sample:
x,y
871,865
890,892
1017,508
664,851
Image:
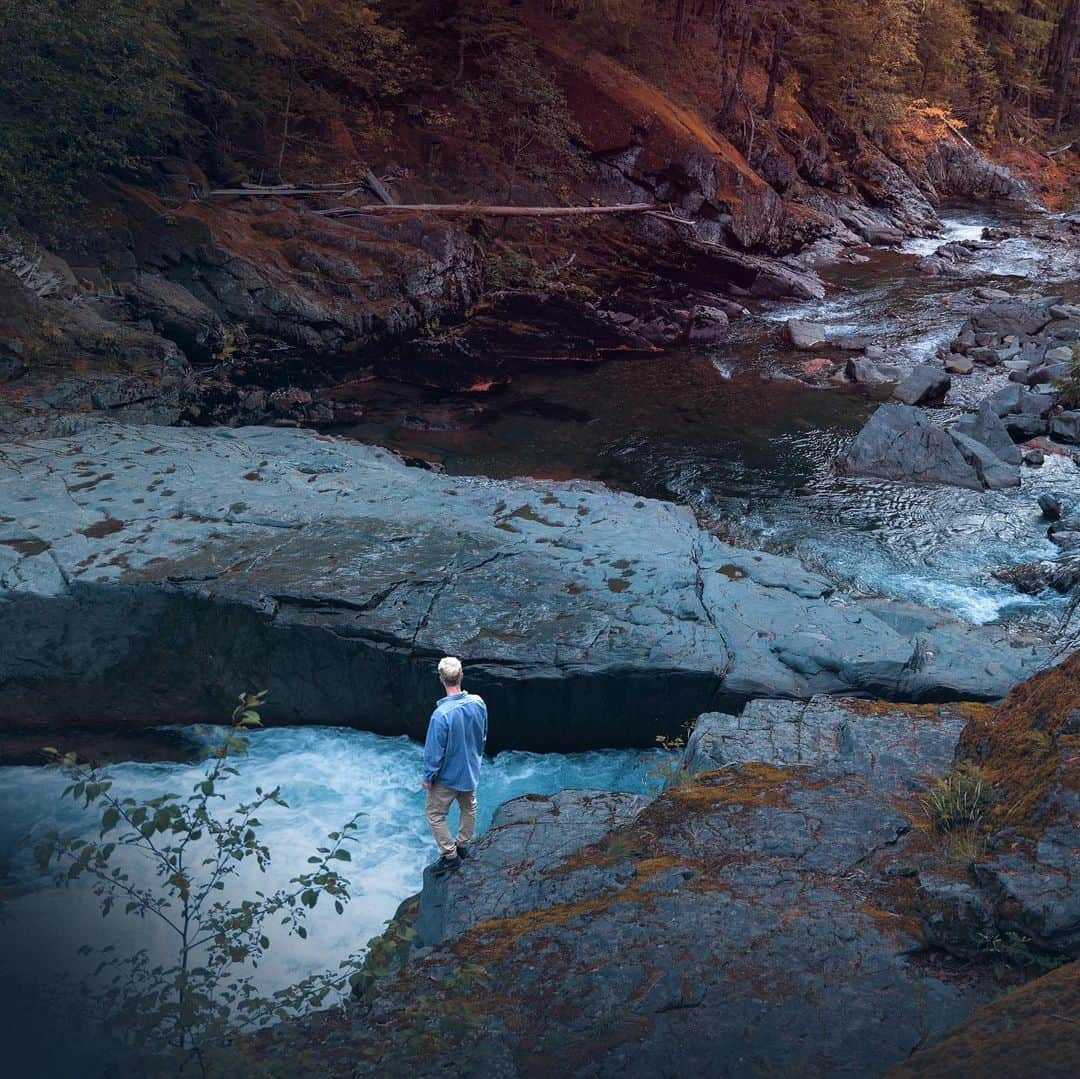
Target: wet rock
x,y
902,443
851,342
806,335
1065,426
1061,575
708,326
865,370
993,473
1051,506
926,384
1034,458
1010,316
987,428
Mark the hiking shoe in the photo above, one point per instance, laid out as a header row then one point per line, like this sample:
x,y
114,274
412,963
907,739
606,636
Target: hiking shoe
x,y
463,852
446,865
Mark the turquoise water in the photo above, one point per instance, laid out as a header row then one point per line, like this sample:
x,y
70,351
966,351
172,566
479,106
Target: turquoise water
x,y
325,775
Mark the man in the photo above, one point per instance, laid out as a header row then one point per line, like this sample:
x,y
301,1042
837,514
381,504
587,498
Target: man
x,y
452,753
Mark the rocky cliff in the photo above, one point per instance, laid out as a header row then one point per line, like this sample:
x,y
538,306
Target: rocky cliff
x,y
171,303
789,903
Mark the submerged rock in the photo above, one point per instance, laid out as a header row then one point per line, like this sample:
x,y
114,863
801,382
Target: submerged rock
x,y
146,573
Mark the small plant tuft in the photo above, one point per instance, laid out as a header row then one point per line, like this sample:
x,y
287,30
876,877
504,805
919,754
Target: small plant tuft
x,y
959,800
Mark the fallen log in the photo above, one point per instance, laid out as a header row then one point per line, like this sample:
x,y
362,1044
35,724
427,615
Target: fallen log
x,y
474,210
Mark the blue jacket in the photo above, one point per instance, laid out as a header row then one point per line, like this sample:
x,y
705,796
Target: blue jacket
x,y
455,742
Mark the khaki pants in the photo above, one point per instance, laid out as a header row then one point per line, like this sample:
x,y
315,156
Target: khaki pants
x,y
439,800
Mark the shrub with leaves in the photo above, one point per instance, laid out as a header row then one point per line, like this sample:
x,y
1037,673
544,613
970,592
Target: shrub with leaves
x,y
958,800
177,1012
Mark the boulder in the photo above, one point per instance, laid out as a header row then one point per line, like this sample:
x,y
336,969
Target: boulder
x,y
1065,426
1034,458
865,370
806,336
1011,316
708,326
1051,506
177,315
927,384
851,342
994,474
986,427
956,364
1014,400
1023,428
902,443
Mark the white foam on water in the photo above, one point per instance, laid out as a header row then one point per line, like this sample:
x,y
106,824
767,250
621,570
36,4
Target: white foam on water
x,y
325,775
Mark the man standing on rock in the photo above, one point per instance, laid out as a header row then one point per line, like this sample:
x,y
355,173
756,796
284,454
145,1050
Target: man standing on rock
x,y
452,753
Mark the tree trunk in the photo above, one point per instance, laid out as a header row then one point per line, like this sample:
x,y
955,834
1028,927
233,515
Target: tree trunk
x,y
775,62
1068,38
680,22
747,32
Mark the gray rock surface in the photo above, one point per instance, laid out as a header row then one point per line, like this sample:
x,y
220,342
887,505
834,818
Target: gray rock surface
x,y
829,733
902,443
149,574
866,370
734,926
986,427
1011,317
994,474
1066,427
926,384
806,335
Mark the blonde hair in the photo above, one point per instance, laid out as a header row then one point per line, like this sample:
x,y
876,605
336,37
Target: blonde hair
x,y
450,670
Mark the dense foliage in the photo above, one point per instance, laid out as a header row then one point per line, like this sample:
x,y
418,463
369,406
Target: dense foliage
x,y
1006,67
248,88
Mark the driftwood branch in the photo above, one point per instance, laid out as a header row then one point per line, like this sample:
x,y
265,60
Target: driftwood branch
x,y
1060,150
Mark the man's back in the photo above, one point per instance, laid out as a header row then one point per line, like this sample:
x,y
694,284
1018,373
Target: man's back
x,y
456,738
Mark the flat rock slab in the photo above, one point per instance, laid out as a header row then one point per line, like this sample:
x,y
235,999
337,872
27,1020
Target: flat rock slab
x,y
149,574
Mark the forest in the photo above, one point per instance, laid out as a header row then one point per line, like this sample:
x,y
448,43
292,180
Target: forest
x,y
265,89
